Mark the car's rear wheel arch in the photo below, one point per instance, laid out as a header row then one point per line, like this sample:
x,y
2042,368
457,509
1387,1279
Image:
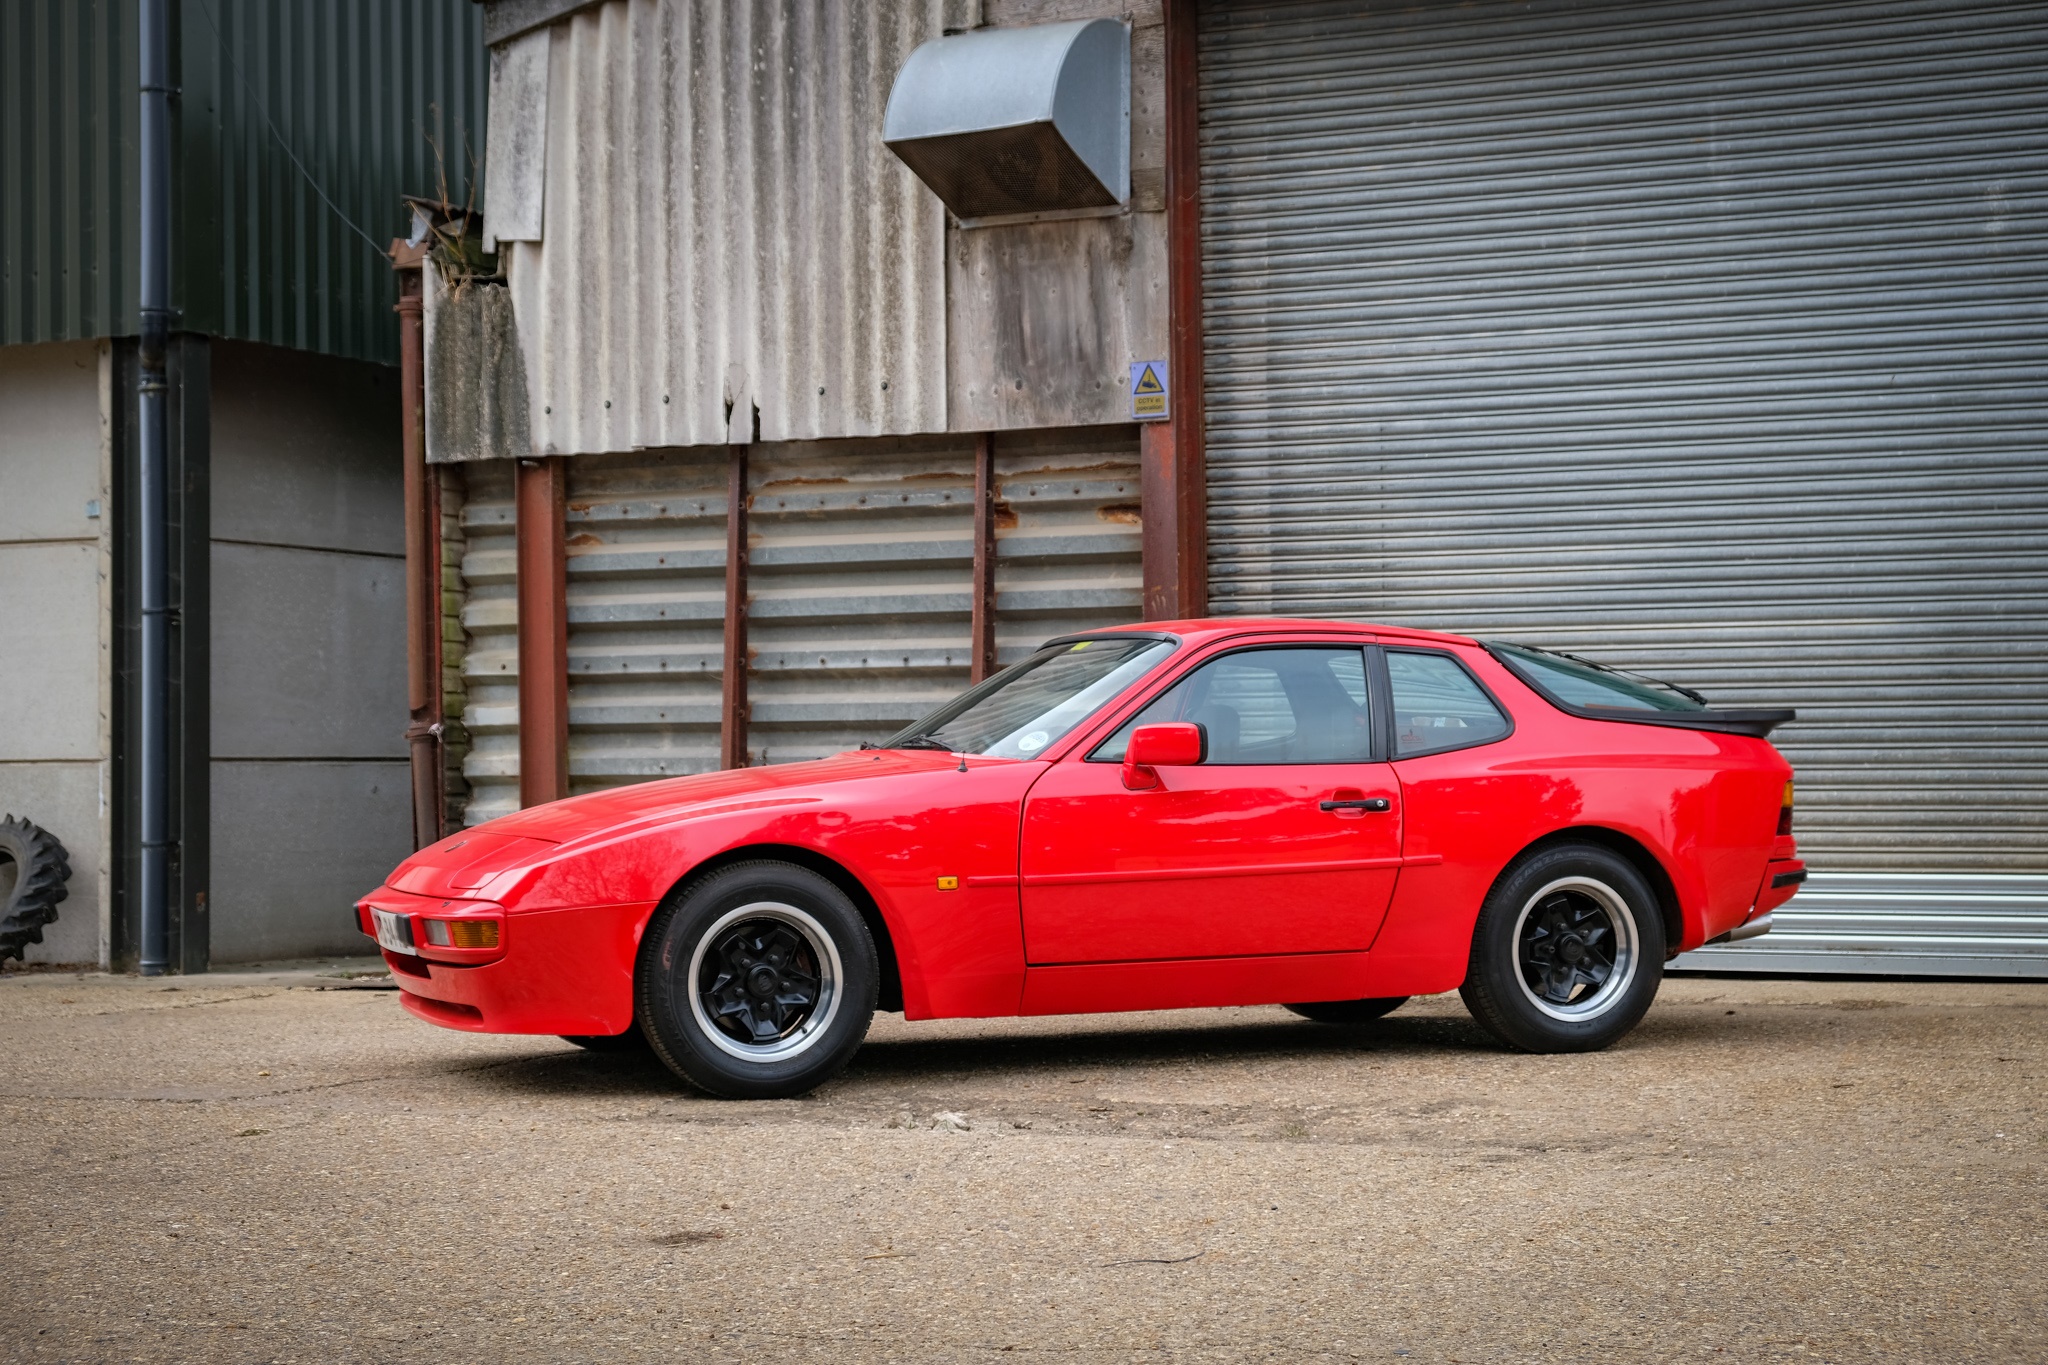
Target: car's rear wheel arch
x,y
1625,846
890,993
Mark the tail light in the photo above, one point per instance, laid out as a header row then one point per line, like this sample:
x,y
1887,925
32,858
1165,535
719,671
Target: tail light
x,y
1785,813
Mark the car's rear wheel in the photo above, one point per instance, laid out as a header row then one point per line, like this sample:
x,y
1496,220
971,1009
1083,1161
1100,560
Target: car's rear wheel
x,y
1349,1011
1568,951
757,982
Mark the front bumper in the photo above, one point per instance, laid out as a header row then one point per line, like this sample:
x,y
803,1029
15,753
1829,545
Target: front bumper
x,y
554,971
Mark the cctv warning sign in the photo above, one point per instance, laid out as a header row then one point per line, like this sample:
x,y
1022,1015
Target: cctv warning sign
x,y
1149,392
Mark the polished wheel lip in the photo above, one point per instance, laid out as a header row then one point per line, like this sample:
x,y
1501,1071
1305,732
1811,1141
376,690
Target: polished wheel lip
x,y
1627,950
831,972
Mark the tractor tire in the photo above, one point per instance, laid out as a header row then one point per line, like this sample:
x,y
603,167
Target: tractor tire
x,y
33,870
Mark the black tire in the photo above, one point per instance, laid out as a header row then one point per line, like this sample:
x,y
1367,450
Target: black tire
x,y
33,870
757,982
1349,1011
1568,951
632,1040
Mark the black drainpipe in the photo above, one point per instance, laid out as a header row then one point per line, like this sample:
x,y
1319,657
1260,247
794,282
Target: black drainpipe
x,y
151,392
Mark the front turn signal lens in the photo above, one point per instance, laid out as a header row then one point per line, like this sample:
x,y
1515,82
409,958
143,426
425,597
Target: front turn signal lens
x,y
1785,814
462,933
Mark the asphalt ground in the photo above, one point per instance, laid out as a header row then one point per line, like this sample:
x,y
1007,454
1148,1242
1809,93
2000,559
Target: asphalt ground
x,y
247,1168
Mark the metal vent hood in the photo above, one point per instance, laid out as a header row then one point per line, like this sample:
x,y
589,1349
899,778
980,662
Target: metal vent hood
x,y
1018,120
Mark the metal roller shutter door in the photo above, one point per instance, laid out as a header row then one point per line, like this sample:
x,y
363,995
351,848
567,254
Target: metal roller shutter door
x,y
1710,338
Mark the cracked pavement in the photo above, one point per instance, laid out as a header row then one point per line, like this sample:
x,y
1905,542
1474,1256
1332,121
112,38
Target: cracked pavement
x,y
284,1166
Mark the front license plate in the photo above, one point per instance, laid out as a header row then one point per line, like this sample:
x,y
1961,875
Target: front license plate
x,y
394,931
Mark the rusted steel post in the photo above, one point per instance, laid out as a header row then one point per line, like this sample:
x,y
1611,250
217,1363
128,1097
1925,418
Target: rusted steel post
x,y
732,723
424,729
982,630
1174,485
540,501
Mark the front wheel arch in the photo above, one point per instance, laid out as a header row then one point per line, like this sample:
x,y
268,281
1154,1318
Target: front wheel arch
x,y
891,985
1639,856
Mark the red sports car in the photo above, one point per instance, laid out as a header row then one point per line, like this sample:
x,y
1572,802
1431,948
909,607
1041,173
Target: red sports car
x,y
1225,812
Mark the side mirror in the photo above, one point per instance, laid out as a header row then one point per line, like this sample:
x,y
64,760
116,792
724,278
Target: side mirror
x,y
1174,744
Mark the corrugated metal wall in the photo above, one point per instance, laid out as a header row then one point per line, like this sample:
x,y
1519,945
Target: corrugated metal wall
x,y
860,568
1708,338
357,90
489,586
723,229
646,551
68,224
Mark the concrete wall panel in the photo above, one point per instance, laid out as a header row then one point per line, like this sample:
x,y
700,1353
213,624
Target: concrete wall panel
x,y
49,650
49,441
308,653
293,844
306,450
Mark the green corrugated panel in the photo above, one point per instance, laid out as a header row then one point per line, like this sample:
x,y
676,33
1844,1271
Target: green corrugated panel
x,y
359,91
67,169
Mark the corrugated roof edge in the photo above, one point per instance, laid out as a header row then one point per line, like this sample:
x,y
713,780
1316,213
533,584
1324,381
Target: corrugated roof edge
x,y
505,20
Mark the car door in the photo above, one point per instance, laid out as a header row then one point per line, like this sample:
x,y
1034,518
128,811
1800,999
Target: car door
x,y
1285,839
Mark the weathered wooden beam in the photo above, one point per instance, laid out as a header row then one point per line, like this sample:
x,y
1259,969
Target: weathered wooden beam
x,y
1174,481
982,631
732,726
540,498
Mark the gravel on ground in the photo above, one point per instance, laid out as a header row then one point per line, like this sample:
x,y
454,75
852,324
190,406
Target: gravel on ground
x,y
284,1166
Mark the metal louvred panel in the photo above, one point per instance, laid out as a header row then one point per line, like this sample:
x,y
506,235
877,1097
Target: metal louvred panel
x,y
1068,528
861,574
1708,338
723,230
646,572
490,664
860,570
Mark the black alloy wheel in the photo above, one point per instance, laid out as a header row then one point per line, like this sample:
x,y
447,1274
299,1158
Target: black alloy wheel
x,y
1568,951
757,982
1569,948
763,980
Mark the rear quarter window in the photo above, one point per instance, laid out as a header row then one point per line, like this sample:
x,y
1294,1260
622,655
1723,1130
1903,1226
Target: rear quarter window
x,y
1438,705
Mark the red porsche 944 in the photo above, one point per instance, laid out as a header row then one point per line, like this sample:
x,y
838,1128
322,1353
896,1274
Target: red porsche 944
x,y
1225,812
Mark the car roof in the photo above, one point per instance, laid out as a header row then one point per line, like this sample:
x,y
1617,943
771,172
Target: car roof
x,y
1201,630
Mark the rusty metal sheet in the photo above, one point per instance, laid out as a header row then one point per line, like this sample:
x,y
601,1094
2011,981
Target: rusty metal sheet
x,y
723,230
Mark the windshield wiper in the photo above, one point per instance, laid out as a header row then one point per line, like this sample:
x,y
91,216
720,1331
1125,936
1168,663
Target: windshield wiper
x,y
918,742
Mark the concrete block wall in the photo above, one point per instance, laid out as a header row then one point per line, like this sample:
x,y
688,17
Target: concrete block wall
x,y
310,789
55,555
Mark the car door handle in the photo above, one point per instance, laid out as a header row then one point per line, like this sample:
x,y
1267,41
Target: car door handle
x,y
1360,803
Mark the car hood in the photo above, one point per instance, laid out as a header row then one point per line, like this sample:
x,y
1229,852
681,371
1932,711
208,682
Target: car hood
x,y
465,861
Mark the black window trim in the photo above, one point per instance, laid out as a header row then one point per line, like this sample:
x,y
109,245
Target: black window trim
x,y
1377,745
1756,722
1386,682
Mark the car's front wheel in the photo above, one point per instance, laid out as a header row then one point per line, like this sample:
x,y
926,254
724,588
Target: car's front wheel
x,y
757,982
1568,951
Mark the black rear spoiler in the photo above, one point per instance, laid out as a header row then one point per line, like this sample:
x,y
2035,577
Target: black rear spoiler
x,y
1727,722
1759,723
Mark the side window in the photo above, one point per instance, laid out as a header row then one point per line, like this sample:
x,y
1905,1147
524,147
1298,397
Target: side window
x,y
1267,706
1437,705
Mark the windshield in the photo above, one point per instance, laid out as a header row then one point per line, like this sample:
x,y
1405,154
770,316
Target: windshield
x,y
1025,708
1576,682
